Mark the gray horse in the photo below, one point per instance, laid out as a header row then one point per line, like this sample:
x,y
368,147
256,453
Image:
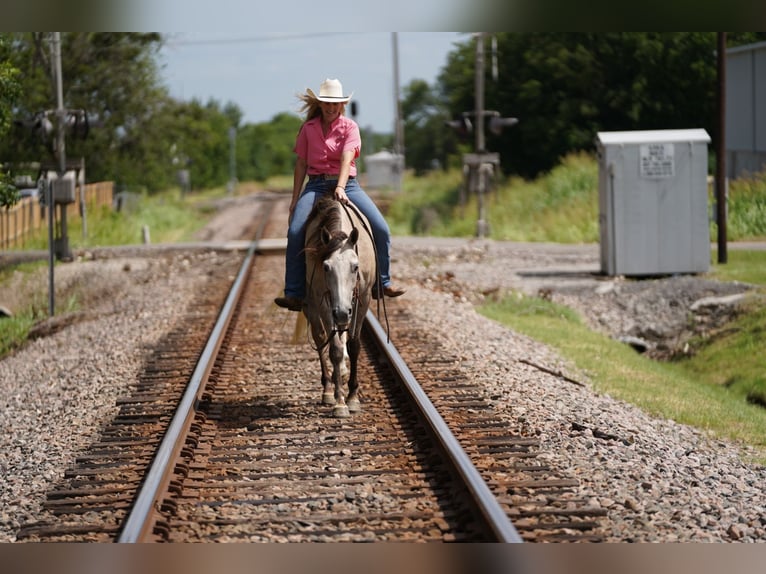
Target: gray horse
x,y
340,273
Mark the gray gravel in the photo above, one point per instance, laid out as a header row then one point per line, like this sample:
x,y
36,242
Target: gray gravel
x,y
661,481
57,392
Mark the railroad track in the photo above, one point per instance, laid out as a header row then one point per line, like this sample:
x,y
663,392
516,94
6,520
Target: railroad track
x,y
253,455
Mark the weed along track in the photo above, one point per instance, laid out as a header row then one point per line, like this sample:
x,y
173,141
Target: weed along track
x,y
259,458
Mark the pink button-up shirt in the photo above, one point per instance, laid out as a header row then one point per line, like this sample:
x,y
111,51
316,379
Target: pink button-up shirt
x,y
322,154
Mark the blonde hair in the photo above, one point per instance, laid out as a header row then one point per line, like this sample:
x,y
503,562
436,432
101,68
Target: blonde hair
x,y
310,106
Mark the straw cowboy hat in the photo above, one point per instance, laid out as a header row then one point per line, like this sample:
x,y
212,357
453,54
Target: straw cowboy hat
x,y
330,91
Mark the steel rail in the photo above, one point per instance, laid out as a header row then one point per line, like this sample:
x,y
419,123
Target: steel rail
x,y
495,517
139,522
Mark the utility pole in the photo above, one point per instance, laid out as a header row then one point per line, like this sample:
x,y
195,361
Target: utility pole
x,y
482,225
56,49
479,91
232,159
398,125
62,194
720,154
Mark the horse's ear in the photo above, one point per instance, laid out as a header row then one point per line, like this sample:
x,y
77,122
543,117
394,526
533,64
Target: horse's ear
x,y
326,237
354,237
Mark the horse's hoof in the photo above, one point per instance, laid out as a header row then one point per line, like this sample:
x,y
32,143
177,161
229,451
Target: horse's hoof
x,y
328,398
354,405
340,412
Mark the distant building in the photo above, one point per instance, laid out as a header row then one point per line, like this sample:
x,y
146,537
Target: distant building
x,y
745,110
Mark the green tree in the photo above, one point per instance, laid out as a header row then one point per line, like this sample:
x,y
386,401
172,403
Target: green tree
x,y
266,149
565,87
112,76
9,195
138,135
428,141
10,89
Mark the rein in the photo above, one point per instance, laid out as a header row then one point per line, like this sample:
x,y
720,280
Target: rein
x,y
377,265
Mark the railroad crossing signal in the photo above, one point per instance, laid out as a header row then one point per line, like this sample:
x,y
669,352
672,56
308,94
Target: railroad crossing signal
x,y
76,123
463,125
480,166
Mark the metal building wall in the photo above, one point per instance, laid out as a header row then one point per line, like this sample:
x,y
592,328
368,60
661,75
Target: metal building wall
x,y
745,110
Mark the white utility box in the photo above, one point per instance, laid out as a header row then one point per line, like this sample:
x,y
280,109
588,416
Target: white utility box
x,y
384,169
653,202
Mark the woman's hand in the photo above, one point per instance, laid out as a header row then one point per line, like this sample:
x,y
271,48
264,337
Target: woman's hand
x,y
340,194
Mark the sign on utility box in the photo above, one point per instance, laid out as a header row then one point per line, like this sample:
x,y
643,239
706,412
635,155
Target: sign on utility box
x,y
653,202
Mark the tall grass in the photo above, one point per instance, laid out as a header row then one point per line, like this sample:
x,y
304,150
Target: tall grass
x,y
427,206
559,206
167,217
746,218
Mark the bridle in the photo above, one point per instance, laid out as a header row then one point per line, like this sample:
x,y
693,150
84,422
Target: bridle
x,y
354,315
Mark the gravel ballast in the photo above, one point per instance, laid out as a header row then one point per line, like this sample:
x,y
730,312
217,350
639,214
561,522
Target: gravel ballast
x,y
660,481
58,390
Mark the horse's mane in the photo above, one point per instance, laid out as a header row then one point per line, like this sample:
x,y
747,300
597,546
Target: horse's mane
x,y
328,214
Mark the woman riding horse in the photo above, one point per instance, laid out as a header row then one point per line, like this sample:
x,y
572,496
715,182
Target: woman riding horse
x,y
327,146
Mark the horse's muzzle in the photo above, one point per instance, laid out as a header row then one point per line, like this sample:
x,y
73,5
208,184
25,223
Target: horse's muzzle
x,y
341,316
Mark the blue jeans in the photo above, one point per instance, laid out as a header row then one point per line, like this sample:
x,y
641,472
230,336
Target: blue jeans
x,y
295,260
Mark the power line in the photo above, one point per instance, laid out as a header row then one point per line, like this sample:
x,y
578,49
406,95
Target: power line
x,y
256,39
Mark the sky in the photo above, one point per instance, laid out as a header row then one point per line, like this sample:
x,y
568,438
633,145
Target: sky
x,y
262,72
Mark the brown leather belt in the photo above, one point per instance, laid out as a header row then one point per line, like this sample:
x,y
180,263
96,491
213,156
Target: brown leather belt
x,y
326,176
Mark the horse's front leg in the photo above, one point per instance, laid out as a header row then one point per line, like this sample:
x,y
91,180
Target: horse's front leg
x,y
336,356
320,337
354,345
328,394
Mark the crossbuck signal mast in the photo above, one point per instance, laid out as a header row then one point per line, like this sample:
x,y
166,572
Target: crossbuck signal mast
x,y
479,166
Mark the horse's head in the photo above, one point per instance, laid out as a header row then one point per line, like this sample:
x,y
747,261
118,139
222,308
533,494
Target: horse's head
x,y
341,273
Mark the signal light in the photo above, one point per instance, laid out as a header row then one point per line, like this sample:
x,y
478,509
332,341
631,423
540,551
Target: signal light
x,y
77,122
496,124
45,126
462,126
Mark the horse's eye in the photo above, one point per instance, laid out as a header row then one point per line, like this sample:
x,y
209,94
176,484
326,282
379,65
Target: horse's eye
x,y
326,266
354,267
